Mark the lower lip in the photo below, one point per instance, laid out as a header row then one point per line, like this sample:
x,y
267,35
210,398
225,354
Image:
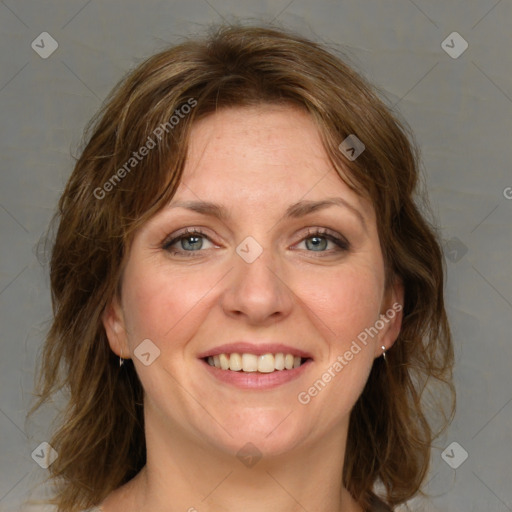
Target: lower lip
x,y
256,380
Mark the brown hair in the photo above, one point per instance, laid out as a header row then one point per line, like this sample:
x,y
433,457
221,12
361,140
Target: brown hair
x,y
100,437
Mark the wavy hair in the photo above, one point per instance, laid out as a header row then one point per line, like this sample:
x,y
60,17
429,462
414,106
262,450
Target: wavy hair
x,y
100,432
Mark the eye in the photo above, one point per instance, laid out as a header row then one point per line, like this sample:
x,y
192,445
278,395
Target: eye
x,y
318,240
192,240
189,241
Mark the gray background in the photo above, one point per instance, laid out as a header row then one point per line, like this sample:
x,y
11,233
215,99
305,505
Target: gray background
x,y
459,108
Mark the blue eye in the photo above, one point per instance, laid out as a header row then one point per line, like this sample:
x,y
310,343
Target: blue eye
x,y
320,240
192,241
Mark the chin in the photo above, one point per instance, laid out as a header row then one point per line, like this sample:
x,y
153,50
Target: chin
x,y
268,432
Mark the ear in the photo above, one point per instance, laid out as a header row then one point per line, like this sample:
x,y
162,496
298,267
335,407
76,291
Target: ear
x,y
113,321
391,315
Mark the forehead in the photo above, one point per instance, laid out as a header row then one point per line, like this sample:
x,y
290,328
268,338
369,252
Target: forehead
x,y
276,128
265,154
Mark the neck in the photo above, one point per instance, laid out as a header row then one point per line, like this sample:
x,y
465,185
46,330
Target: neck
x,y
184,474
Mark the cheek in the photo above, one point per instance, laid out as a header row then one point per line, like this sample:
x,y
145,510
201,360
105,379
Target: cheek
x,y
345,305
160,305
346,301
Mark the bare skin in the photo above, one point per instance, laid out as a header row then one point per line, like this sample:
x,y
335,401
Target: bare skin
x,y
304,290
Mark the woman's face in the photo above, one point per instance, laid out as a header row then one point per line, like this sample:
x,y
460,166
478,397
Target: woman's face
x,y
263,252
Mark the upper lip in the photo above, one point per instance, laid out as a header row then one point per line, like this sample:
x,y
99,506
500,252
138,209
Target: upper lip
x,y
258,349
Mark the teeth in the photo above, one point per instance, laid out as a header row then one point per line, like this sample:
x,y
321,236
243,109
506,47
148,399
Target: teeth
x,y
249,363
224,361
266,363
235,362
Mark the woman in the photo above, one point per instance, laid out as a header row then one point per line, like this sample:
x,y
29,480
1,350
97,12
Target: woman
x,y
248,303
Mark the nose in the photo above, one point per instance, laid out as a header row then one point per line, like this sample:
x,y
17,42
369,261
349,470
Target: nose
x,y
257,291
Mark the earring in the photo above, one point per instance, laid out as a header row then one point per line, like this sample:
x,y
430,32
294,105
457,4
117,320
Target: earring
x,y
121,360
383,352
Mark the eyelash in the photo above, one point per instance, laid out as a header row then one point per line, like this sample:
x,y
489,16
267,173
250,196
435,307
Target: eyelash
x,y
342,244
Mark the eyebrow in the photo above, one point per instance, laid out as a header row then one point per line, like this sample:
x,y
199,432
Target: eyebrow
x,y
296,210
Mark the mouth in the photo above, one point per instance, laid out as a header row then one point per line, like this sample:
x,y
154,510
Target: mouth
x,y
253,363
256,366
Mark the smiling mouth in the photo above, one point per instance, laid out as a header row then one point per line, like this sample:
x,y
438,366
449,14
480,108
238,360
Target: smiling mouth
x,y
266,363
